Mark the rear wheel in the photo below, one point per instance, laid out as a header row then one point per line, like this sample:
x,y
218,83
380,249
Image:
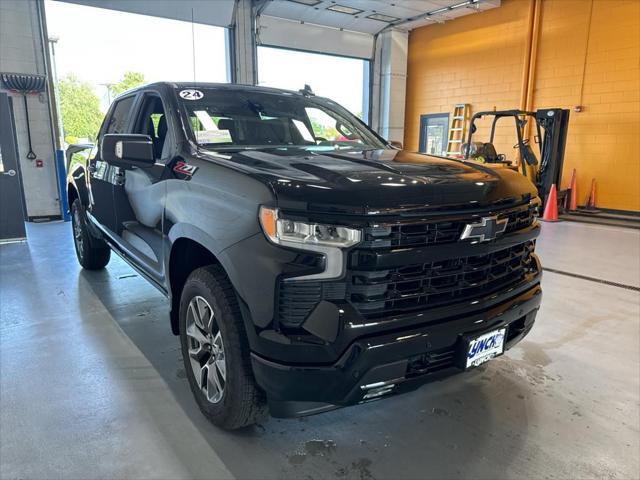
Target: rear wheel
x,y
92,252
215,351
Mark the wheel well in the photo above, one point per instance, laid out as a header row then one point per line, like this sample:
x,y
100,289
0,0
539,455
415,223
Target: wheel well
x,y
186,256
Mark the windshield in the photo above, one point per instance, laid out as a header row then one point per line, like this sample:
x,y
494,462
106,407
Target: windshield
x,y
223,119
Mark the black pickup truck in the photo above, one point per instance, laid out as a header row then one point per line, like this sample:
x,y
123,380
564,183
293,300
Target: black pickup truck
x,y
308,263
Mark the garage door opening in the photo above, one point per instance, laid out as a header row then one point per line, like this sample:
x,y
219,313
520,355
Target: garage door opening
x,y
98,53
342,79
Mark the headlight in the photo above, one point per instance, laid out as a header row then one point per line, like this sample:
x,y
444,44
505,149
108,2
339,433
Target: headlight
x,y
316,237
281,231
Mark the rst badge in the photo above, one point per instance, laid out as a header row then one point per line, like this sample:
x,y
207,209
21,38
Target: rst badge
x,y
487,229
185,168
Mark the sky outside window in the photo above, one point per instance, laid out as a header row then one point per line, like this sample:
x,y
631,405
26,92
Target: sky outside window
x,y
338,78
99,45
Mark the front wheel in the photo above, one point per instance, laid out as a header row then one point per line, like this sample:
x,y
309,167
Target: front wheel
x,y
92,252
215,351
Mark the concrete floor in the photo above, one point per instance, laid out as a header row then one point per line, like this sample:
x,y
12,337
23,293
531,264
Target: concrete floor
x,y
92,384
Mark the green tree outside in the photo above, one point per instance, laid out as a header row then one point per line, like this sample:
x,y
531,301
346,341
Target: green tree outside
x,y
129,80
80,109
328,132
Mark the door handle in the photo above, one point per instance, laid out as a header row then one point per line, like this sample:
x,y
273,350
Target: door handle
x,y
11,173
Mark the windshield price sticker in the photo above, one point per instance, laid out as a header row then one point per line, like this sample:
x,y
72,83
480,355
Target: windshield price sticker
x,y
213,136
190,94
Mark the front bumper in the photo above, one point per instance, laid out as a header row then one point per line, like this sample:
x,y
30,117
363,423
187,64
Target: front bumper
x,y
391,362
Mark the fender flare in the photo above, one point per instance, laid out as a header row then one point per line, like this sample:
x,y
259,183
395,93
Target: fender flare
x,y
77,180
191,232
195,234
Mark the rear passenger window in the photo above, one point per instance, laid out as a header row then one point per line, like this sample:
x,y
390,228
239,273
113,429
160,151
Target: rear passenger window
x,y
120,116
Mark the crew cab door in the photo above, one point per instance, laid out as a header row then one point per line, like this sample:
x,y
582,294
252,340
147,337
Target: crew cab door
x,y
103,175
139,195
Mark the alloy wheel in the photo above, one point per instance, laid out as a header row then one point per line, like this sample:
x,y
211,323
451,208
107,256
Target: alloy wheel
x,y
206,349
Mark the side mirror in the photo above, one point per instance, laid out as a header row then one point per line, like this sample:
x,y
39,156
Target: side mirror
x,y
127,151
396,144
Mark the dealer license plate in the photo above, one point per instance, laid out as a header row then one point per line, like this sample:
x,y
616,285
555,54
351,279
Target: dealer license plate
x,y
483,348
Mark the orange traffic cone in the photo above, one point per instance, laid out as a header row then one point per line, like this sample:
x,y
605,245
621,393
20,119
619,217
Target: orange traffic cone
x,y
567,197
591,200
551,208
573,201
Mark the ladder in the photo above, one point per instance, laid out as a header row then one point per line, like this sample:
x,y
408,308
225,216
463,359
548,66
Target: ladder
x,y
458,129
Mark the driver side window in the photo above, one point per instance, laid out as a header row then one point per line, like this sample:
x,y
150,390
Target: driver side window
x,y
152,121
117,122
327,128
324,126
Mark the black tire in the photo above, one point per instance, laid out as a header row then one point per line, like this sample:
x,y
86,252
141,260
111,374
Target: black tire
x,y
240,402
92,252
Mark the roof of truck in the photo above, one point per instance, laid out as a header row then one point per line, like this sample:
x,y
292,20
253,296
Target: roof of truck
x,y
225,86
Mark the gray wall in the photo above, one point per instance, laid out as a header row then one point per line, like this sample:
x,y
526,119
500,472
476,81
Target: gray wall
x,y
208,12
389,84
21,51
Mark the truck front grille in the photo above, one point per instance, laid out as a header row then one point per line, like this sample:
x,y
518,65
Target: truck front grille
x,y
385,292
380,292
423,233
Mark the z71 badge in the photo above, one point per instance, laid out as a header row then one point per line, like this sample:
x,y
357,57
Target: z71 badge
x,y
185,169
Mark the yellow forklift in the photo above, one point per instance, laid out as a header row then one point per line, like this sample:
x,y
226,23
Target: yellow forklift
x,y
545,168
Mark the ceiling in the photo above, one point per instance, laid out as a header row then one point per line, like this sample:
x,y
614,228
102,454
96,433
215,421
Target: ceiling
x,y
371,16
363,16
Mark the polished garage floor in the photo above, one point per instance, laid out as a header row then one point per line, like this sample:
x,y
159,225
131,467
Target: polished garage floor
x,y
92,384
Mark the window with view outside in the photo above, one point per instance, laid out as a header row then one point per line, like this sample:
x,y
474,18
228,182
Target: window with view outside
x,y
435,139
343,80
325,127
100,53
434,134
227,119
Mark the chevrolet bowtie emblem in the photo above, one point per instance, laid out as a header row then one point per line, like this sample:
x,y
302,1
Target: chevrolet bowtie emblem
x,y
487,229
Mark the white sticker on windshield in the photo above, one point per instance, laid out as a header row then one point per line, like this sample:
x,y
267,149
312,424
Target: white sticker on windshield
x,y
304,131
206,120
213,136
190,94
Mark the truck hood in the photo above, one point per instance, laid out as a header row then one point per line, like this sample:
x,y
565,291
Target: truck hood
x,y
378,181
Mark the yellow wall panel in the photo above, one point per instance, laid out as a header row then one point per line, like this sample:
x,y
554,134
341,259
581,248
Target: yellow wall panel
x,y
587,56
475,59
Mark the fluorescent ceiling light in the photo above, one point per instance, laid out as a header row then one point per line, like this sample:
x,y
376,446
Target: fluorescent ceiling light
x,y
440,10
343,9
382,17
309,3
463,4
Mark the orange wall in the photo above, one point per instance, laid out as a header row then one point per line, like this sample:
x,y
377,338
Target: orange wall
x,y
479,59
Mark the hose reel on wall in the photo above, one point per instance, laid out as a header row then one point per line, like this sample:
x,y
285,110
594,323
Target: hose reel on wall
x,y
25,84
